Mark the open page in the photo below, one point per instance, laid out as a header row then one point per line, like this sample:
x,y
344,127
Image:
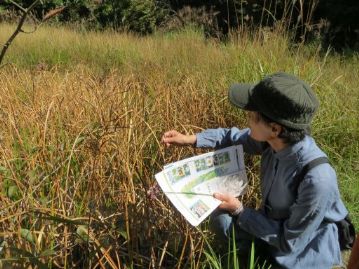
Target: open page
x,y
190,183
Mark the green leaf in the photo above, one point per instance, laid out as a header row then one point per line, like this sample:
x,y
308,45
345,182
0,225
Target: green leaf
x,y
3,170
27,235
123,234
251,263
82,232
13,192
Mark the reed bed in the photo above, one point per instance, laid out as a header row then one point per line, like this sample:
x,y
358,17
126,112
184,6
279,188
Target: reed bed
x,y
81,117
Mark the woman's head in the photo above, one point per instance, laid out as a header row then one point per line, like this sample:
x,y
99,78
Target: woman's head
x,y
263,129
282,98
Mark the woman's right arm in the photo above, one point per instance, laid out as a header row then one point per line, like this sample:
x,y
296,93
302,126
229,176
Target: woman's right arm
x,y
216,138
176,138
224,137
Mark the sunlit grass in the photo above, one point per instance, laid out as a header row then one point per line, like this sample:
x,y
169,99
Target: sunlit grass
x,y
81,116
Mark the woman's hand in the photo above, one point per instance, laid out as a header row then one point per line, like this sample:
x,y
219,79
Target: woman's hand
x,y
175,138
229,202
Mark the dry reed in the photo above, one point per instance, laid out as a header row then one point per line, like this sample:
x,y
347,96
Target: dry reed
x,y
80,144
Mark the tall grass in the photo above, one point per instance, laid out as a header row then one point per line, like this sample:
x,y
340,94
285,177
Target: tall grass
x,y
81,116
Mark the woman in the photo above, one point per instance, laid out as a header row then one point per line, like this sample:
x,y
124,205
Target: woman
x,y
295,225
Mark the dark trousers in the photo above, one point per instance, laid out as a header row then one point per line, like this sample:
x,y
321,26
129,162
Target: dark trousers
x,y
224,228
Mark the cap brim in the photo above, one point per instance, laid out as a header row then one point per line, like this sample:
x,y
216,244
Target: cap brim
x,y
240,95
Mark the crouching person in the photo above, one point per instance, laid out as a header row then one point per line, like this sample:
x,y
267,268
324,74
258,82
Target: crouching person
x,y
296,223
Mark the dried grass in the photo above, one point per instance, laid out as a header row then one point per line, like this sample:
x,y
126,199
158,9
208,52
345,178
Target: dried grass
x,y
80,141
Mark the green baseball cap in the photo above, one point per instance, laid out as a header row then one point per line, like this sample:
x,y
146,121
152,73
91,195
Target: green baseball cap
x,y
281,97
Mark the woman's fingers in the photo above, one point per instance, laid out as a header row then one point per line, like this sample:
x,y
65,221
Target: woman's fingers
x,y
222,197
176,138
229,202
171,137
170,133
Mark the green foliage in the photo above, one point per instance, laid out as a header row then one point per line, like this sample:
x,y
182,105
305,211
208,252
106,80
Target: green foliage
x,y
142,16
8,186
110,13
27,235
137,16
233,258
302,19
82,232
13,192
2,10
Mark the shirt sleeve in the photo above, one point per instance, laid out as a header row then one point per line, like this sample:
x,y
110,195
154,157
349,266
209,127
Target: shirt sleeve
x,y
307,213
224,137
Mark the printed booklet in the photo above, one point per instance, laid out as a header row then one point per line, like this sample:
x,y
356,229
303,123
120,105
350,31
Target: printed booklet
x,y
190,183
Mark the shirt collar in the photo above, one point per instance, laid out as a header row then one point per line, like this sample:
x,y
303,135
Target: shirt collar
x,y
291,151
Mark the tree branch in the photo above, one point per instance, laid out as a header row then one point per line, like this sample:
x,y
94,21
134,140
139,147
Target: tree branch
x,y
25,12
18,6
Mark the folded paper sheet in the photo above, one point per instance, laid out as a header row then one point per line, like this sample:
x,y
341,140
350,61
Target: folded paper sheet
x,y
190,183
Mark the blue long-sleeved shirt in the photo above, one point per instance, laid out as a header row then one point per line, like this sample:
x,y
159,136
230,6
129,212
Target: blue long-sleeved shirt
x,y
300,227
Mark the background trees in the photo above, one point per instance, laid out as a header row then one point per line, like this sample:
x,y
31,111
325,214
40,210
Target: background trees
x,y
334,22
